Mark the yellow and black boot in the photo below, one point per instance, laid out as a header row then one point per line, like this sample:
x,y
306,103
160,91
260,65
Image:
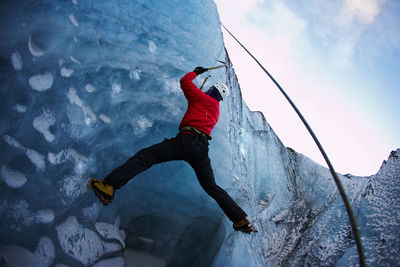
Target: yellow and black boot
x,y
244,226
103,191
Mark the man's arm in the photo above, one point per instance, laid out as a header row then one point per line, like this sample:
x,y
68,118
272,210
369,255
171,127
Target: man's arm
x,y
188,87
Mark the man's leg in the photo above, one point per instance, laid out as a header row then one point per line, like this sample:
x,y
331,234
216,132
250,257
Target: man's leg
x,y
167,150
205,175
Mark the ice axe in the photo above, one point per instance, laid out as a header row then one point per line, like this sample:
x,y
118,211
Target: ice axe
x,y
217,67
212,68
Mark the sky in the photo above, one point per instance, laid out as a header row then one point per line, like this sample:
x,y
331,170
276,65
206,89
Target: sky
x,y
339,61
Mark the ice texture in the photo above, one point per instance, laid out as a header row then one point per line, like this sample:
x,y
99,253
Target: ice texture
x,y
12,178
66,72
110,231
35,157
35,49
114,262
20,108
21,257
19,211
81,243
86,84
42,124
16,60
41,82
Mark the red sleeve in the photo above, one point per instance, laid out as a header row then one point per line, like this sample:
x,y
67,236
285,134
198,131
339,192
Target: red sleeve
x,y
189,89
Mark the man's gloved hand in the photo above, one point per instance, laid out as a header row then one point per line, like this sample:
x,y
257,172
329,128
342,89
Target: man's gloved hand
x,y
199,70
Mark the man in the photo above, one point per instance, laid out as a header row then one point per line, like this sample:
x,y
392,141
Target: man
x,y
190,145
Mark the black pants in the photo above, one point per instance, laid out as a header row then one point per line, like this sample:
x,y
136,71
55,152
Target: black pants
x,y
185,146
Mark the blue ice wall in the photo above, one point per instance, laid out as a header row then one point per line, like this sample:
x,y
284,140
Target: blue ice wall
x,y
85,84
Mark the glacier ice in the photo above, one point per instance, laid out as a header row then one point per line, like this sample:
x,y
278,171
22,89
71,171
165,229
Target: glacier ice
x,y
12,178
21,257
85,84
81,243
41,82
16,61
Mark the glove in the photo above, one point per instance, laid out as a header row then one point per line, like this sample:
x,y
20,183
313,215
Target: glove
x,y
199,70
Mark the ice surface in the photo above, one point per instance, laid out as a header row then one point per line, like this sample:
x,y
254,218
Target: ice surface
x,y
86,84
90,88
41,82
35,49
66,72
90,117
73,20
20,108
16,60
22,216
35,157
42,124
21,257
81,243
110,231
114,262
12,178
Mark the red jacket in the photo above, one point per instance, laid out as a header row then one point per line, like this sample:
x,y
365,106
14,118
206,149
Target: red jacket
x,y
203,110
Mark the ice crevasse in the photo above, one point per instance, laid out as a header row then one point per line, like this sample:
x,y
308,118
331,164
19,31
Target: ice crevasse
x,y
85,84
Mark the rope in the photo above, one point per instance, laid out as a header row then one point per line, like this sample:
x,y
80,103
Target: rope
x,y
333,172
213,67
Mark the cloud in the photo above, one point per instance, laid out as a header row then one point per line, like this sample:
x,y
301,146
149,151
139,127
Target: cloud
x,y
352,20
364,11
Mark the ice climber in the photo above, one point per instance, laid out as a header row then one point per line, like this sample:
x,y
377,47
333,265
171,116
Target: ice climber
x,y
190,145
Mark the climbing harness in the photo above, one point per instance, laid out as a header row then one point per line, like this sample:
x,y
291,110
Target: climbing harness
x,y
213,67
342,192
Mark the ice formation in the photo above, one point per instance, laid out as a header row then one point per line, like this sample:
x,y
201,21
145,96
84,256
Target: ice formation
x,y
85,84
16,61
12,178
41,82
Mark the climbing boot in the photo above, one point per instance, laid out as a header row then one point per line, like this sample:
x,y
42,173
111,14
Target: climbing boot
x,y
103,191
244,226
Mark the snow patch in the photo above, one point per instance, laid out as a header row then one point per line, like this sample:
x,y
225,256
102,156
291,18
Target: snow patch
x,y
116,88
44,254
35,157
135,74
171,85
72,187
12,178
73,98
66,72
105,118
42,124
41,82
16,60
81,243
144,123
141,124
73,20
73,59
152,47
90,88
20,108
80,161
